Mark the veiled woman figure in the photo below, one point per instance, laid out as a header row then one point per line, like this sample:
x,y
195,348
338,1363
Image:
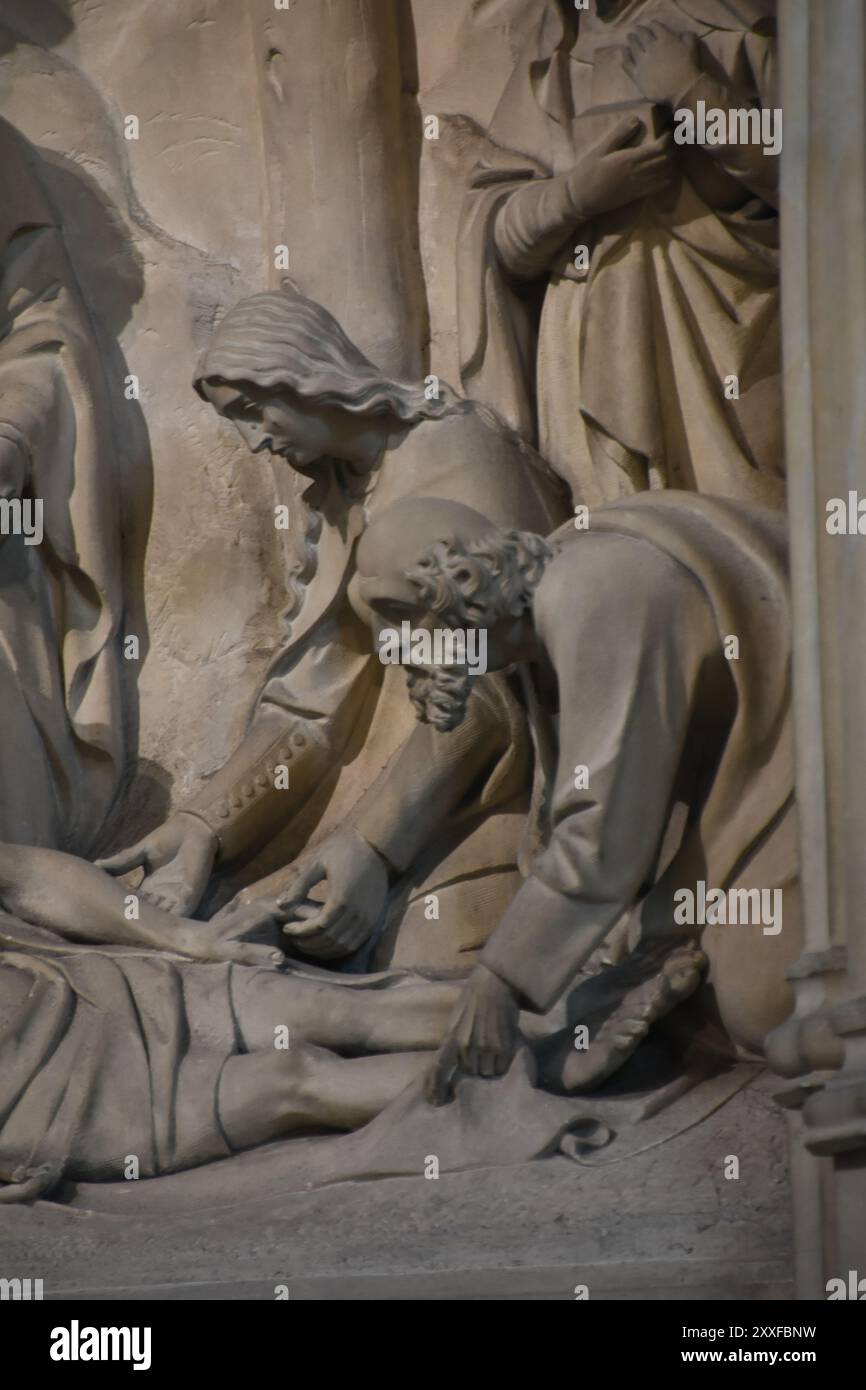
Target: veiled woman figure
x,y
62,751
385,815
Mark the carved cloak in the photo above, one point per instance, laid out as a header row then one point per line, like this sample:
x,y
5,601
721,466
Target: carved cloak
x,y
617,371
671,575
63,747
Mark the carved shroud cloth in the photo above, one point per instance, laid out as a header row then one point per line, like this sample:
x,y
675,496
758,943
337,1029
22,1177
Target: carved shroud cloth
x,y
105,1053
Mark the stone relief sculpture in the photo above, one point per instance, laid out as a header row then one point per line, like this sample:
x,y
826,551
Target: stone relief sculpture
x,y
660,711
668,768
282,370
113,1047
61,584
655,264
539,903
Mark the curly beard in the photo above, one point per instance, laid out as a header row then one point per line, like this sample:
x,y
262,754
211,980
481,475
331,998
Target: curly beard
x,y
439,696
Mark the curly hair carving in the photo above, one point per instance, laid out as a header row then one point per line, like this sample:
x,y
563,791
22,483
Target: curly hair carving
x,y
473,584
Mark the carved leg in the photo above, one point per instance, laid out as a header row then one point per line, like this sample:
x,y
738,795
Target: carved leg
x,y
350,1020
266,1095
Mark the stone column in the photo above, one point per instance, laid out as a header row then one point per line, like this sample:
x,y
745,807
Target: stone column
x,y
341,138
822,1049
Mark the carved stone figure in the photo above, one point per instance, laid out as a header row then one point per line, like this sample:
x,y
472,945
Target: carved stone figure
x,y
152,1039
62,755
108,1051
628,282
176,1062
424,916
282,370
671,764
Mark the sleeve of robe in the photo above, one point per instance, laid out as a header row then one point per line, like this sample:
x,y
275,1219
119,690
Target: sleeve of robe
x,y
498,317
627,629
305,717
427,781
757,171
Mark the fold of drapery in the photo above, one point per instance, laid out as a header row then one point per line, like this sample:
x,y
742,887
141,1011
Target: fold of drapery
x,y
641,349
61,601
107,1055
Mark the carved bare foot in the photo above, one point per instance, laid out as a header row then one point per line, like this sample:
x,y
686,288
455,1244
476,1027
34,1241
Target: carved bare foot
x,y
655,980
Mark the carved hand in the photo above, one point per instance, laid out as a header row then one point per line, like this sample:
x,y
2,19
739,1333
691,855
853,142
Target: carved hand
x,y
357,885
245,914
208,941
482,1034
613,173
662,65
178,857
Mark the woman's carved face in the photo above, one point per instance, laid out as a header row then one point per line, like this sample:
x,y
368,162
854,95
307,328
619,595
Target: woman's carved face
x,y
300,433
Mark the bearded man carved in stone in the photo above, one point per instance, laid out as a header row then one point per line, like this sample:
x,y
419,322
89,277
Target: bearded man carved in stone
x,y
661,762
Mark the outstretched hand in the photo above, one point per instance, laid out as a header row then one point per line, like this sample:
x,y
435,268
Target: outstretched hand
x,y
481,1037
211,941
245,915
